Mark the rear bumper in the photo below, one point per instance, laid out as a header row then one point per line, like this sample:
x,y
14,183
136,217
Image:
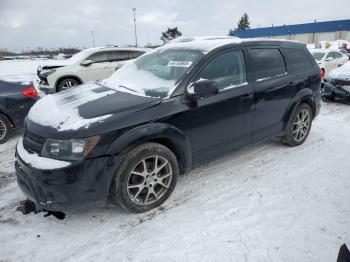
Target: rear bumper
x,y
80,185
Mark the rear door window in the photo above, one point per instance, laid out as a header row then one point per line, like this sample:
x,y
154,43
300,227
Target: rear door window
x,y
267,63
118,56
135,54
298,60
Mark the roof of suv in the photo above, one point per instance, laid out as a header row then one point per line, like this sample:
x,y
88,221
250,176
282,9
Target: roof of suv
x,y
207,44
115,48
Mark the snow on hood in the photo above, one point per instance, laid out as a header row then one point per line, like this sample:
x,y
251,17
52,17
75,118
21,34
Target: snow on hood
x,y
61,112
342,73
54,63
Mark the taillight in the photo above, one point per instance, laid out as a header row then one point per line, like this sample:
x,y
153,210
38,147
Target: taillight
x,y
30,92
322,74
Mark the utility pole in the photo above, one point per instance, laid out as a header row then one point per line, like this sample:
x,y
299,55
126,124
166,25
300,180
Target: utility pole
x,y
134,10
93,38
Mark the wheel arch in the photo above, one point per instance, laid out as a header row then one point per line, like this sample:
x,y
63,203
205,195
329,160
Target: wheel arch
x,y
164,134
304,96
67,76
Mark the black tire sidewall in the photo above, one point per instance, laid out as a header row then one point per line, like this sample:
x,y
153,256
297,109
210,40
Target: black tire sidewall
x,y
119,191
8,128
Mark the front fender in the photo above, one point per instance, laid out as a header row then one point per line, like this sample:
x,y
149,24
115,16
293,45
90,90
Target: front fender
x,y
165,134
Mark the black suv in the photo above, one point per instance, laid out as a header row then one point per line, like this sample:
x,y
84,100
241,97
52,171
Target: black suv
x,y
128,137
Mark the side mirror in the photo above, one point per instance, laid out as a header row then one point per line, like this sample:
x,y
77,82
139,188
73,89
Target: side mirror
x,y
329,59
203,88
86,63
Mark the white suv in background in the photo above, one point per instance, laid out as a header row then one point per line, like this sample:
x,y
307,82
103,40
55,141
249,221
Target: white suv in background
x,y
328,59
90,64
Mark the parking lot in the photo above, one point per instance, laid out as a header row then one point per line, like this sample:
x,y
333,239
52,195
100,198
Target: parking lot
x,y
264,203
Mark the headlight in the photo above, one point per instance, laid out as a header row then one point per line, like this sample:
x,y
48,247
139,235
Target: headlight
x,y
73,149
46,73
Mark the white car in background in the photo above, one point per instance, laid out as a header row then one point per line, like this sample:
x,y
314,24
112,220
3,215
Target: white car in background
x,y
90,64
328,59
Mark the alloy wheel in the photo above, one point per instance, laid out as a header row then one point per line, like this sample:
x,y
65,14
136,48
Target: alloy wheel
x,y
301,125
68,84
3,129
149,180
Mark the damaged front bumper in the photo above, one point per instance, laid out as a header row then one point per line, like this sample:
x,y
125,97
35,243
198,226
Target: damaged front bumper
x,y
336,89
84,184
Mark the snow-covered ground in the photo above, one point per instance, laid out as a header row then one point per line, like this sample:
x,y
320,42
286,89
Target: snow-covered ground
x,y
264,203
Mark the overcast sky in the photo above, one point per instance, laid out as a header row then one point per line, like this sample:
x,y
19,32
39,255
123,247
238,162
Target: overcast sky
x,y
62,23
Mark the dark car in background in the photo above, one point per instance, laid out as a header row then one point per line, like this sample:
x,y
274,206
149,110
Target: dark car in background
x,y
337,84
130,136
15,101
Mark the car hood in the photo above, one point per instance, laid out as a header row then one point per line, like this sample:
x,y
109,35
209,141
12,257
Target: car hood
x,y
341,73
84,106
53,64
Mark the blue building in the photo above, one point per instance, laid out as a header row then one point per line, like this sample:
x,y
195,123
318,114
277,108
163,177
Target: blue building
x,y
308,33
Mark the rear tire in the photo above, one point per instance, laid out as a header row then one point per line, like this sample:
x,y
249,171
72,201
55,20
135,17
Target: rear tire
x,y
5,129
146,178
299,126
67,83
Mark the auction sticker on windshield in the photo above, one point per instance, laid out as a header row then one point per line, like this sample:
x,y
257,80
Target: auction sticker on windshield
x,y
180,63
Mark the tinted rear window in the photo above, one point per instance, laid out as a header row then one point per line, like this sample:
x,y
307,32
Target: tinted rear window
x,y
298,59
267,62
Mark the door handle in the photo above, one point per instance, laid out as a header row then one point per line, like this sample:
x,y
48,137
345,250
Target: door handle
x,y
247,98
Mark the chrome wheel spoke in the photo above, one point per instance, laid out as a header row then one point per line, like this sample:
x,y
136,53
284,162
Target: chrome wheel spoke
x,y
142,174
138,192
160,182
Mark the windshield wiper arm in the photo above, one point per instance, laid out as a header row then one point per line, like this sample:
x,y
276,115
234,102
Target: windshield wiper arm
x,y
130,89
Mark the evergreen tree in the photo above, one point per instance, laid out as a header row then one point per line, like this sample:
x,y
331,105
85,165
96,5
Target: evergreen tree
x,y
244,22
170,34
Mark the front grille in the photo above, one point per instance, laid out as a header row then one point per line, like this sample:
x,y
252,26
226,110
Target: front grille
x,y
32,142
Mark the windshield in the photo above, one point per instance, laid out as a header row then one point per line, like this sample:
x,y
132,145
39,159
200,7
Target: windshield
x,y
78,56
318,55
154,74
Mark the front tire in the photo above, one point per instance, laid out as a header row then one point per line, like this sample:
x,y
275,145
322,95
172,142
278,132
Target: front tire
x,y
146,178
299,126
67,83
5,129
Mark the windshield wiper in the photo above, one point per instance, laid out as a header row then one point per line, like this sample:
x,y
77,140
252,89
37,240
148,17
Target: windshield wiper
x,y
130,89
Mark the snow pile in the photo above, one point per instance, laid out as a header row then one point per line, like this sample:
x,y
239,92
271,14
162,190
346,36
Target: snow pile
x,y
61,113
38,162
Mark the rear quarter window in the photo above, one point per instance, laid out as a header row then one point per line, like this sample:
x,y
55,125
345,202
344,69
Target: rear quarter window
x,y
298,60
267,63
